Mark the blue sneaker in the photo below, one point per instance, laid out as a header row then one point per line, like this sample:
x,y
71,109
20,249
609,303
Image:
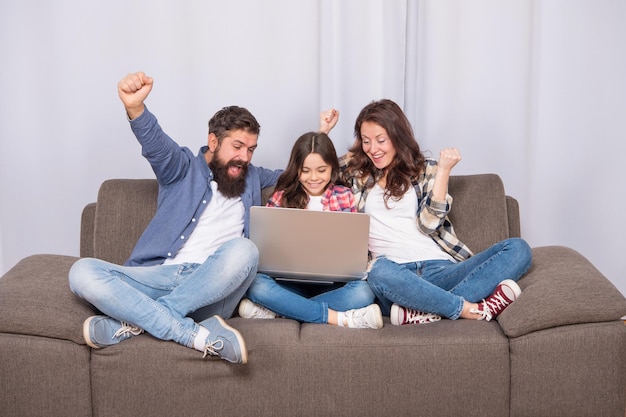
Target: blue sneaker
x,y
103,331
224,341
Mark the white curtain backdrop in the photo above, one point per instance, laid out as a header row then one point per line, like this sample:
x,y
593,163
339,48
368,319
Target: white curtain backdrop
x,y
2,269
531,90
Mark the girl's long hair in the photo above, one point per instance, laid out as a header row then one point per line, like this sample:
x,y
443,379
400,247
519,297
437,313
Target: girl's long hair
x,y
295,196
409,161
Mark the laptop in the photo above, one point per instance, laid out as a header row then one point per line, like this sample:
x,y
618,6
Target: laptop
x,y
310,246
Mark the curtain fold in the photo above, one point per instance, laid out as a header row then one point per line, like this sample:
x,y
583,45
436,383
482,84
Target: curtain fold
x,y
526,89
362,53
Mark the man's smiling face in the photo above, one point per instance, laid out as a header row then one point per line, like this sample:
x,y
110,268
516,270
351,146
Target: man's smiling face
x,y
229,160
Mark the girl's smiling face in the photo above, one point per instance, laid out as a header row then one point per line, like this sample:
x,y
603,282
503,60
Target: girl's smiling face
x,y
377,145
315,174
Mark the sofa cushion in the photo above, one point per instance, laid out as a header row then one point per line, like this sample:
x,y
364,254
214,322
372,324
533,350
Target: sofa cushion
x,y
313,370
126,206
410,366
573,371
43,377
562,287
151,371
479,210
124,209
36,299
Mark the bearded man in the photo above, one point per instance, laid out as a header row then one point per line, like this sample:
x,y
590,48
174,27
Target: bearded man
x,y
193,263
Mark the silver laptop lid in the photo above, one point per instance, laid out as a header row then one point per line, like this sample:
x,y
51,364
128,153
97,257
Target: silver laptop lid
x,y
307,245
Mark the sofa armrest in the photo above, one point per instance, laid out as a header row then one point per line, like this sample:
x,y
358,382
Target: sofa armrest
x,y
87,222
512,212
36,299
561,288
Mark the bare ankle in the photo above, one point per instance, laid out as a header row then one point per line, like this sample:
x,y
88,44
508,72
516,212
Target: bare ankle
x,y
466,313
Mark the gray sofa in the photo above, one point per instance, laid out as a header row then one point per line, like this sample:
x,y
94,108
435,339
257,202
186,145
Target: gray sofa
x,y
559,350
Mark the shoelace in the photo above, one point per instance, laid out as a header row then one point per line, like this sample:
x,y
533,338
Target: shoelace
x,y
352,316
497,302
212,347
416,316
261,312
485,313
127,330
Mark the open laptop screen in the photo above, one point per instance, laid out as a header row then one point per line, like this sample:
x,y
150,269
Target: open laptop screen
x,y
308,245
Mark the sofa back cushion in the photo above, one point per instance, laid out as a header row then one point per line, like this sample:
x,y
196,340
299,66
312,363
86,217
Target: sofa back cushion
x,y
123,211
126,206
479,210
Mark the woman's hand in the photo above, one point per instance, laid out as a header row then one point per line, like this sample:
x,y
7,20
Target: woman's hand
x,y
448,158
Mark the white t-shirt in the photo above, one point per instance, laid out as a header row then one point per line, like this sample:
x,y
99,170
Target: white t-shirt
x,y
315,203
221,221
394,232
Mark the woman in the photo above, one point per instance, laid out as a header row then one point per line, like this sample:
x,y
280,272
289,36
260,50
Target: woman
x,y
420,271
311,181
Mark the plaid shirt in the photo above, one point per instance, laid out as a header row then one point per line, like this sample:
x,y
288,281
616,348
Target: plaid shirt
x,y
335,198
432,216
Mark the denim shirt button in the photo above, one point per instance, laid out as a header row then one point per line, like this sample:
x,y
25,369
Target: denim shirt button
x,y
169,254
182,237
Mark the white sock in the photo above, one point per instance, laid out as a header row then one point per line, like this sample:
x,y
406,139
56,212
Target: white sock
x,y
341,317
200,341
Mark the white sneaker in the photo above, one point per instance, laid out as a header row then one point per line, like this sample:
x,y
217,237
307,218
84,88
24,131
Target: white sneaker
x,y
368,317
249,310
403,315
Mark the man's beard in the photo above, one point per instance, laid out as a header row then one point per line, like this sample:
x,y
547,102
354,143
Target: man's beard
x,y
227,185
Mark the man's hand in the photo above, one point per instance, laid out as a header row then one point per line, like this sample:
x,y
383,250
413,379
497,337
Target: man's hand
x,y
133,90
328,120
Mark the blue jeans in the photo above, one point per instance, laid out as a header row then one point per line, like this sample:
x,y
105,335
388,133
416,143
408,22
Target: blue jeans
x,y
441,287
159,298
296,301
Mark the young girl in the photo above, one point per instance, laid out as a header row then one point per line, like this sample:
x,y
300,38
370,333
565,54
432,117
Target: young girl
x,y
420,270
311,181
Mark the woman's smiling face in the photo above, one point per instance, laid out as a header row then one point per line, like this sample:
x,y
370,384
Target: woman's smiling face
x,y
377,145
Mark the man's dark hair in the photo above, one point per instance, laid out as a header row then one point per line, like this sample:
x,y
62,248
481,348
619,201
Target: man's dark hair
x,y
233,118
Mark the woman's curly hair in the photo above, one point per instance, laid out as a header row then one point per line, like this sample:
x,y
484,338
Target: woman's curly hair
x,y
409,161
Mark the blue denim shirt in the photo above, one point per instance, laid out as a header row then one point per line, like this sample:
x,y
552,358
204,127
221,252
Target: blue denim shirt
x,y
184,191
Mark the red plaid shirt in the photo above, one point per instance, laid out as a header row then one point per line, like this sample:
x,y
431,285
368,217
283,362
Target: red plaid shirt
x,y
335,198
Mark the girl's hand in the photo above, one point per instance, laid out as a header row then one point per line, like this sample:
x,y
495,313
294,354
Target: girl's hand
x,y
328,120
